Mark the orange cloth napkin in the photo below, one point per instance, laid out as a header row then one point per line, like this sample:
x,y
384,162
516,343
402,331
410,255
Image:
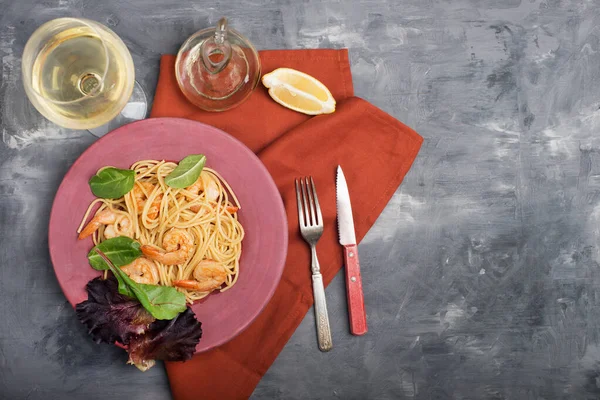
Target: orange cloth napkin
x,y
375,151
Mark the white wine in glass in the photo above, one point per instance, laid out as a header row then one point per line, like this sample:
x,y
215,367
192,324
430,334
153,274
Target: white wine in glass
x,y
78,73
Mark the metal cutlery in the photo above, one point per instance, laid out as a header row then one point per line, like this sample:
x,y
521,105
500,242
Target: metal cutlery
x,y
311,228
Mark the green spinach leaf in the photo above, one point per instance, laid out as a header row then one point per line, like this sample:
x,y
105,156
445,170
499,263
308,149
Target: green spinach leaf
x,y
187,172
163,302
112,183
123,288
120,250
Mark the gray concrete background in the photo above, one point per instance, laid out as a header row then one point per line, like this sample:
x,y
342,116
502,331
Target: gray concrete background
x,y
482,276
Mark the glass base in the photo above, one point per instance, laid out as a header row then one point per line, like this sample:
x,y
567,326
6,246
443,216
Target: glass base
x,y
135,109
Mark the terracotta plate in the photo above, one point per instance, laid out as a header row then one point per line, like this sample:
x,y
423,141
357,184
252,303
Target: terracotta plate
x,y
223,315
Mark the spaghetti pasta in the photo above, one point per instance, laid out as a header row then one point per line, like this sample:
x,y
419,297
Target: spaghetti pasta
x,y
166,221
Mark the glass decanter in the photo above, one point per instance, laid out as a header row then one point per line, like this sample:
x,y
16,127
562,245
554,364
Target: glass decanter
x,y
217,68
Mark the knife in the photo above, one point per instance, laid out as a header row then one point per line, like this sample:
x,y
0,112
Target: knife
x,y
356,302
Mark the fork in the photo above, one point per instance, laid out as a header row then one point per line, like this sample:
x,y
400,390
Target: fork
x,y
311,228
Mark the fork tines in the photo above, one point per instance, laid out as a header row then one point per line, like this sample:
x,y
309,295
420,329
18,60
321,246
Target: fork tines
x,y
309,211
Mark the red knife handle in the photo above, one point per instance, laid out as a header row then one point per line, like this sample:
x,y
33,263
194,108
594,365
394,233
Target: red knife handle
x,y
356,301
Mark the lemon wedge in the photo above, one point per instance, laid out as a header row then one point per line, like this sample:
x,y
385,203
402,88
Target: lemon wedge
x,y
299,91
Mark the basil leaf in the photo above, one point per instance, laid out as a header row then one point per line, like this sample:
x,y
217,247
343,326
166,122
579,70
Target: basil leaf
x,y
163,302
187,172
120,250
112,183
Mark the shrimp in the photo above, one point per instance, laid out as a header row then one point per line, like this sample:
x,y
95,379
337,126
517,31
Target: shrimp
x,y
229,209
208,276
113,221
212,193
139,194
211,190
232,209
122,225
142,270
104,217
178,247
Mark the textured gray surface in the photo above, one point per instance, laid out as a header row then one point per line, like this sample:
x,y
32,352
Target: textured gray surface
x,y
482,276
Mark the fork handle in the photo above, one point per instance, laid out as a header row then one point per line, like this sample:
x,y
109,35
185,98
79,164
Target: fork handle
x,y
321,317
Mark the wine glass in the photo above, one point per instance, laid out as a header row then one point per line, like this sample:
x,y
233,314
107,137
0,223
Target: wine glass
x,y
80,75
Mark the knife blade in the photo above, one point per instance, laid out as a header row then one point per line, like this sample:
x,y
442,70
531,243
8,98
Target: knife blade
x,y
356,303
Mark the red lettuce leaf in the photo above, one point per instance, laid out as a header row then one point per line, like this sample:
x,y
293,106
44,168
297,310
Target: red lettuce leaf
x,y
173,340
111,316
